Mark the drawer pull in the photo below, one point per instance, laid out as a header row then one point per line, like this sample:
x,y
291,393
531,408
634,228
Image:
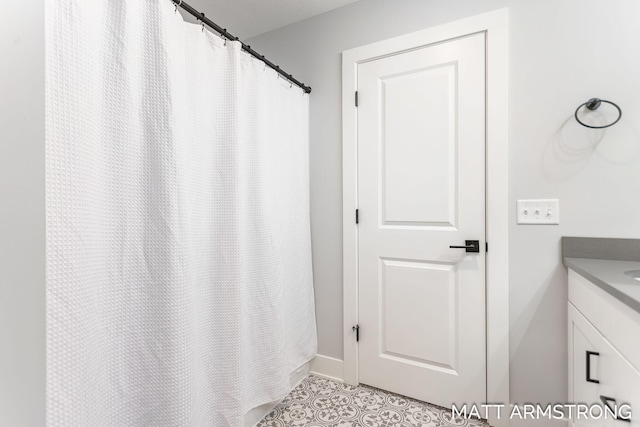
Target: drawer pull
x,y
589,354
605,401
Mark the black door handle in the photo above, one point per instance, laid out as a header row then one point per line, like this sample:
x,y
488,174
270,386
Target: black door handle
x,y
469,245
589,354
605,401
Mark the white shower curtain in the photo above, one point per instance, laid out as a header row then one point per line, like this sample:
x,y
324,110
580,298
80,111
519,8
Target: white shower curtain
x,y
179,282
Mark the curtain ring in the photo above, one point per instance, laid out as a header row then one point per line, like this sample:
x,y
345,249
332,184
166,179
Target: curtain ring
x,y
177,4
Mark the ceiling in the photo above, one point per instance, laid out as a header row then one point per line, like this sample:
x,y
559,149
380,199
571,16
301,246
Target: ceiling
x,y
249,18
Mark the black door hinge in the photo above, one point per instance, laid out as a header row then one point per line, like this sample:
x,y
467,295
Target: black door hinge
x,y
486,246
356,329
357,216
356,98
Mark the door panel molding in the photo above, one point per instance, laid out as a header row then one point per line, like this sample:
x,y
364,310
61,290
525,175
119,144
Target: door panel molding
x,y
494,24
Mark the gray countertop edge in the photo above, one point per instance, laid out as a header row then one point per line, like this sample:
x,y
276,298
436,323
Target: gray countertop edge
x,y
620,296
601,248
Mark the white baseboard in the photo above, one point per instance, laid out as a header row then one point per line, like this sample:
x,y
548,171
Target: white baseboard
x,y
327,367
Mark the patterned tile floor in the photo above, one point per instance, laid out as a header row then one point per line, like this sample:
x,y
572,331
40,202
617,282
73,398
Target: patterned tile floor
x,y
318,402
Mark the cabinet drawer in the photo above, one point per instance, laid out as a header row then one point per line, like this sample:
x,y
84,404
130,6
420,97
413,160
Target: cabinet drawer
x,y
599,373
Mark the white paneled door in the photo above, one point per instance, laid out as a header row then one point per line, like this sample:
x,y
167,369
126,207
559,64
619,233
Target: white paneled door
x,y
421,189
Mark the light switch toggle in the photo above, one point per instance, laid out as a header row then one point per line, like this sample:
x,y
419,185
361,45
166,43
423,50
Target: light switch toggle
x,y
538,211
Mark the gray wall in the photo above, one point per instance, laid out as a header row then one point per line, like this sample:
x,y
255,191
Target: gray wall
x,y
22,263
561,53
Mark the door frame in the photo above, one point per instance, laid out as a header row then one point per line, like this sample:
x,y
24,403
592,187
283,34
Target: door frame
x,y
495,25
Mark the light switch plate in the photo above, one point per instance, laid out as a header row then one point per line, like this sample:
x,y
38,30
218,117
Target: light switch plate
x,y
539,211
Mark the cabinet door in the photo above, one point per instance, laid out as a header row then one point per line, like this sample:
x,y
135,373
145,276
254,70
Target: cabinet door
x,y
593,358
584,387
620,382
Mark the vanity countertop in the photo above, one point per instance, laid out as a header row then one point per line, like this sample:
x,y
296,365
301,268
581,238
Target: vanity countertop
x,y
610,276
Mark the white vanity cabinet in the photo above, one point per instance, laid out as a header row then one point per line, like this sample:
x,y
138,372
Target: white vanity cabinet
x,y
604,353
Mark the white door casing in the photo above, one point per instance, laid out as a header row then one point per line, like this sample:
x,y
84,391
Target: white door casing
x,y
494,26
421,179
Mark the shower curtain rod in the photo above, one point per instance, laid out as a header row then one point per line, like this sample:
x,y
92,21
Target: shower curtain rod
x,y
224,33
